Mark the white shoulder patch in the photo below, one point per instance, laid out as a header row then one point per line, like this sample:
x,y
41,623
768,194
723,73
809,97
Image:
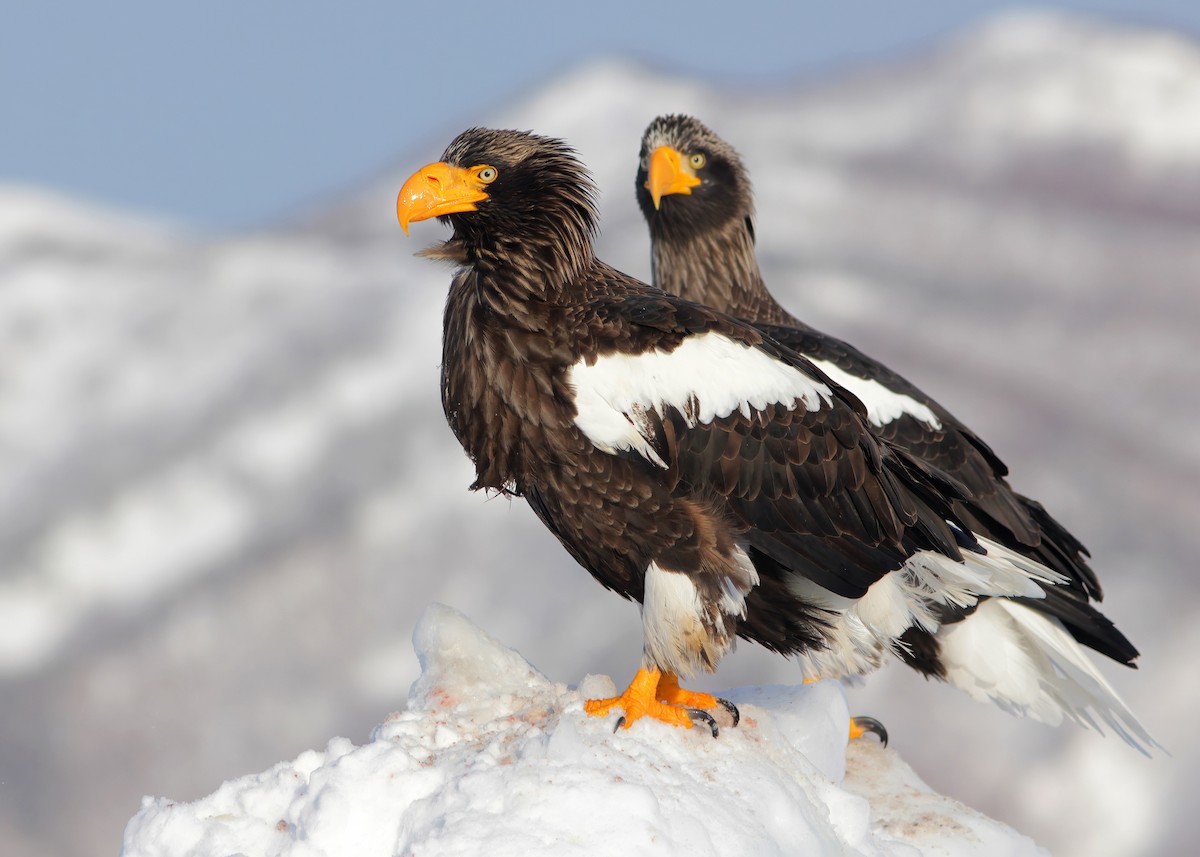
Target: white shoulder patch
x,y
706,378
883,405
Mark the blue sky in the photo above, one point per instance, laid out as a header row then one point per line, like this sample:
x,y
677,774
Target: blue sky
x,y
222,114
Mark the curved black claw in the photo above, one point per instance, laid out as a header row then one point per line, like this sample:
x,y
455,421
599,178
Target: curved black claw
x,y
870,724
621,722
732,709
699,715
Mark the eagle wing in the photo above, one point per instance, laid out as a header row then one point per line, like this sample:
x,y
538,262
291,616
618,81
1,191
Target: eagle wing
x,y
905,416
726,412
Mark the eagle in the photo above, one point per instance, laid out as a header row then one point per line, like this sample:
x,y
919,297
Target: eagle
x,y
691,462
695,195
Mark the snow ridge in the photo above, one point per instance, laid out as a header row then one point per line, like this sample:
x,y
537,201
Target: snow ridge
x,y
492,757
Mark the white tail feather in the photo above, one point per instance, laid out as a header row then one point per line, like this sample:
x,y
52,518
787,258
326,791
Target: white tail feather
x,y
1004,652
1028,664
862,630
997,552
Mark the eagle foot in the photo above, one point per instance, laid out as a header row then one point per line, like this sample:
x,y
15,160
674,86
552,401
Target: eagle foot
x,y
658,695
670,692
860,726
698,715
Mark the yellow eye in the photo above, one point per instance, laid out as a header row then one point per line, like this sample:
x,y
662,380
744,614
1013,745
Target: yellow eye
x,y
697,161
487,175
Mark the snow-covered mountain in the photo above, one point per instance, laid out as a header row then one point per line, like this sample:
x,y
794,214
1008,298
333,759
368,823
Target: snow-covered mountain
x,y
492,757
227,491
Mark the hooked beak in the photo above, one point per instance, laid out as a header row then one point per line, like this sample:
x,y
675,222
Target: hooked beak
x,y
668,174
435,190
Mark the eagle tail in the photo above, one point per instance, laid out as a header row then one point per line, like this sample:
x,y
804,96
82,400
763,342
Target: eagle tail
x,y
1026,662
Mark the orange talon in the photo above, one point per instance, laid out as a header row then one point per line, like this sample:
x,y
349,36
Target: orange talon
x,y
671,693
639,700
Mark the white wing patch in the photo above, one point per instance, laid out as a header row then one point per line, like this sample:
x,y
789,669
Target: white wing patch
x,y
883,405
705,378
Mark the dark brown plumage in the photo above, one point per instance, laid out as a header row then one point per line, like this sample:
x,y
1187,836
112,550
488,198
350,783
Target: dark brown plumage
x,y
686,460
703,248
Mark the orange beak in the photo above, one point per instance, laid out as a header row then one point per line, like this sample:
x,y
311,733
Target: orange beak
x,y
435,190
668,174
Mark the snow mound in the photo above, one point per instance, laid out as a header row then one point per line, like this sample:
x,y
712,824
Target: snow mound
x,y
491,757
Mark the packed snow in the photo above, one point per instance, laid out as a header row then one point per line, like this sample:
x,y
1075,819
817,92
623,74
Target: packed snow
x,y
492,757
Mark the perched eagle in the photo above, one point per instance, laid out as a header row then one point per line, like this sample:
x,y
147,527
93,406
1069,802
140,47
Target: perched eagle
x,y
692,463
695,195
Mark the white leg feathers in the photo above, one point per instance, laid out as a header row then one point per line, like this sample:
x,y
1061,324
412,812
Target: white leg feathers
x,y
686,627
